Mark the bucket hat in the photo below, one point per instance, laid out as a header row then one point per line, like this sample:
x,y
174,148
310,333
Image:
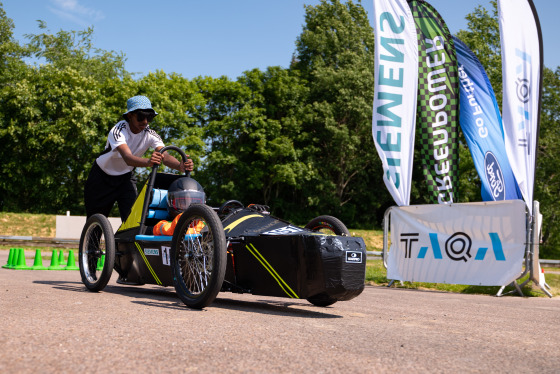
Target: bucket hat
x,y
138,102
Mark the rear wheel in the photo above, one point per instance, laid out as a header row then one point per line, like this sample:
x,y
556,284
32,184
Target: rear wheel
x,y
322,299
229,207
97,240
198,256
327,225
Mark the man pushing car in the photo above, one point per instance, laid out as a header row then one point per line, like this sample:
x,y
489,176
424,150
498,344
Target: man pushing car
x,y
111,178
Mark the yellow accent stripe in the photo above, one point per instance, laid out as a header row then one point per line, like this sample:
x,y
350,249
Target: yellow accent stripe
x,y
232,225
148,264
272,272
135,215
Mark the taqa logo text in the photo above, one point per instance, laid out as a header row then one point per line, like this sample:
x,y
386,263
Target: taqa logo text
x,y
457,247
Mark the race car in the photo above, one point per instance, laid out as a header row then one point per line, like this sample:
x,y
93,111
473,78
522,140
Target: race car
x,y
235,248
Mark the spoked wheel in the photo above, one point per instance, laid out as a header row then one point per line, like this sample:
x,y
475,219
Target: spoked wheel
x,y
327,225
97,240
198,256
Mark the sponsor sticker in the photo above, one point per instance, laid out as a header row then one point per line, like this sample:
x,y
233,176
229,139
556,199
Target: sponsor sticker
x,y
284,231
354,257
165,255
151,251
494,176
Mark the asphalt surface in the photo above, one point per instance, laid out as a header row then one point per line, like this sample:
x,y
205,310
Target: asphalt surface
x,y
50,323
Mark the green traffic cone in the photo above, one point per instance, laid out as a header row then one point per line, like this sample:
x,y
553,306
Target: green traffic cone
x,y
61,259
71,265
10,262
21,265
15,258
100,263
38,263
54,261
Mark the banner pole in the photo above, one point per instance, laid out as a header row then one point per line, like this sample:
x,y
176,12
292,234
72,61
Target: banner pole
x,y
536,273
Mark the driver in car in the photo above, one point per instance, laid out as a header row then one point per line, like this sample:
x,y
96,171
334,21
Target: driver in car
x,y
111,178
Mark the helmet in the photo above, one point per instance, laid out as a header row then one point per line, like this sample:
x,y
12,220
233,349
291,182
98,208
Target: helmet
x,y
182,193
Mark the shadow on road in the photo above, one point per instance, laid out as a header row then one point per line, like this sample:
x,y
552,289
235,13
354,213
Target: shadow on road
x,y
167,298
273,306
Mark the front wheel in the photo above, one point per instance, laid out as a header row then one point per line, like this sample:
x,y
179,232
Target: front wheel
x,y
198,256
97,240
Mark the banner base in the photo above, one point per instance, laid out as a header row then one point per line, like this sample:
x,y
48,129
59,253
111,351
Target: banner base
x,y
516,288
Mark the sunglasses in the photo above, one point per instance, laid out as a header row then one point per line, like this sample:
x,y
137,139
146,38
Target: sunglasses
x,y
141,116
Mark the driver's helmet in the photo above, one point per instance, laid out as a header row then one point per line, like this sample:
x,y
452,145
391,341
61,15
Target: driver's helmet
x,y
182,193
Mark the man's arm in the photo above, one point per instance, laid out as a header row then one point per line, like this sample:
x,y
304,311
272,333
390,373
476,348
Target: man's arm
x,y
132,160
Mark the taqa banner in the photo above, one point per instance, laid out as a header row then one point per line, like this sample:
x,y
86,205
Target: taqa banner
x,y
438,104
471,243
522,65
394,105
481,122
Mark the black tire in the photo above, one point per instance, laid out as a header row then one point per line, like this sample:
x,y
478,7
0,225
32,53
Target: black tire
x,y
328,225
198,261
322,299
229,207
97,240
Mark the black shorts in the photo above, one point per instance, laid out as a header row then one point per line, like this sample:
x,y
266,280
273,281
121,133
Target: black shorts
x,y
103,190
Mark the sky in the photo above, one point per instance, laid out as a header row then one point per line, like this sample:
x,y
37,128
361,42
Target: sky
x,y
216,37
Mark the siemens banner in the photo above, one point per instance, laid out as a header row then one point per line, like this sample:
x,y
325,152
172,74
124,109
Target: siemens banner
x,y
482,126
394,105
522,61
471,243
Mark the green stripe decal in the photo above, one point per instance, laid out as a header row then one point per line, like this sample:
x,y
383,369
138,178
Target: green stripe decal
x,y
272,272
148,264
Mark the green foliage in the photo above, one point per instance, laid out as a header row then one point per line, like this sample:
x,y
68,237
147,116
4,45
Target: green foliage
x,y
249,126
297,139
483,38
547,186
335,55
51,117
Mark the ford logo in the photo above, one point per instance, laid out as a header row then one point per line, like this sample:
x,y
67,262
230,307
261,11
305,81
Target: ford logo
x,y
494,177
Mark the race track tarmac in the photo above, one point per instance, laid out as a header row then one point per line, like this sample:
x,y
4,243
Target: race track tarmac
x,y
51,324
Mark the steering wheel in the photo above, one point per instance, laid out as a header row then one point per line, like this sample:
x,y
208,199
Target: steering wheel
x,y
229,207
150,185
180,151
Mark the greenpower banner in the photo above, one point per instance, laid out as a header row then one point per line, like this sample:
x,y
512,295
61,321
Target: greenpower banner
x,y
437,118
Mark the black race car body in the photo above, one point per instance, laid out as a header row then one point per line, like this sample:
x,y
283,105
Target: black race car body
x,y
240,249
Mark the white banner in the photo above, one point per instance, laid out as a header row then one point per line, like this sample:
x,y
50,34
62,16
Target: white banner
x,y
471,243
396,83
521,42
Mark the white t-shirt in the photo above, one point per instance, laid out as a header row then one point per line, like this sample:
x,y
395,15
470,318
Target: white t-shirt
x,y
112,162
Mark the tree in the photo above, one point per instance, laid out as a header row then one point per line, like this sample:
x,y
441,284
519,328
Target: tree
x,y
483,37
51,119
547,186
249,127
335,55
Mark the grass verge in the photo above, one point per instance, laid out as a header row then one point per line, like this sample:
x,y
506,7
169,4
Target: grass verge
x,y
376,274
44,225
